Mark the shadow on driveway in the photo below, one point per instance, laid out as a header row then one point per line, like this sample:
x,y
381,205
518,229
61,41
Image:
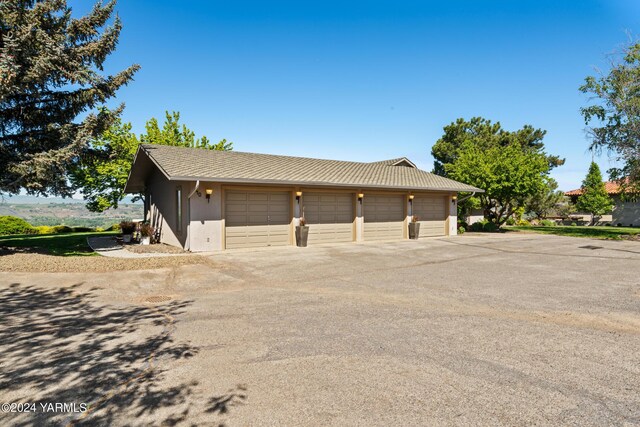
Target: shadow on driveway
x,y
60,345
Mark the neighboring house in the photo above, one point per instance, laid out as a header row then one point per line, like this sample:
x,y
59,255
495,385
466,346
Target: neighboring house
x,y
474,215
204,200
625,212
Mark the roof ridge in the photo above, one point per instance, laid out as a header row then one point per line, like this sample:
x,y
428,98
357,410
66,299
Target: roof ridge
x,y
381,162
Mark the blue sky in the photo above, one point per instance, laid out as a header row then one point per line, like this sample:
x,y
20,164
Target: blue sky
x,y
368,80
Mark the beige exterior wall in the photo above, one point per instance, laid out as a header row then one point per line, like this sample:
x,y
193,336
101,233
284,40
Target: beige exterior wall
x,y
359,222
476,215
453,215
163,213
626,213
206,225
203,223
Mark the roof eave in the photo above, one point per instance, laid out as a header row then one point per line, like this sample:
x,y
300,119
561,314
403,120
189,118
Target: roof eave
x,y
322,184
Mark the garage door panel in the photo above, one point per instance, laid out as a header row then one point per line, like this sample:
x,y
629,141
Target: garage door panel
x,y
330,233
279,219
330,217
279,235
258,197
262,207
383,231
432,211
235,196
432,228
256,219
383,217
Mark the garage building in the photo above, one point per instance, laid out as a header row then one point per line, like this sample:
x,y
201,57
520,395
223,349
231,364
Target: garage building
x,y
205,200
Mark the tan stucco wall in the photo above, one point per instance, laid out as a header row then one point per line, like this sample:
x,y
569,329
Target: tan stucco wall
x,y
162,214
626,213
206,226
203,224
453,215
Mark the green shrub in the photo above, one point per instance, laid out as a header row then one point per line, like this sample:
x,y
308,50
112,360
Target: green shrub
x,y
511,221
477,226
524,223
547,223
99,229
461,230
463,224
45,229
15,225
62,229
82,229
573,224
114,227
490,227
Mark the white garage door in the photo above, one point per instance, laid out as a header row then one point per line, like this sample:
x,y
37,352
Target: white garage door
x,y
383,217
256,219
329,216
432,211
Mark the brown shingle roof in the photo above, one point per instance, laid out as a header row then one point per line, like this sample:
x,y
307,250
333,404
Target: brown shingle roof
x,y
179,163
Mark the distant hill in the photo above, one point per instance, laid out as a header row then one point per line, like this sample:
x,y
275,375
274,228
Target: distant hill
x,y
71,212
35,200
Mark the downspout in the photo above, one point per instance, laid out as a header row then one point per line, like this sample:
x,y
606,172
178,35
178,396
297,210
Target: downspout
x,y
189,215
467,197
196,189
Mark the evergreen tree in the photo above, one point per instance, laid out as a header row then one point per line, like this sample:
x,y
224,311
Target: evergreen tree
x,y
51,75
594,198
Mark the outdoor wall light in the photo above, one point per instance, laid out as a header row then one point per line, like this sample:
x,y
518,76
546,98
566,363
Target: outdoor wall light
x,y
454,199
209,192
298,195
361,196
411,196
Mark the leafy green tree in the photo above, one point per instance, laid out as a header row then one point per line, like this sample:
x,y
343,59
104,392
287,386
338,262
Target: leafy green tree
x,y
51,81
102,176
594,198
173,133
614,116
545,201
509,175
485,134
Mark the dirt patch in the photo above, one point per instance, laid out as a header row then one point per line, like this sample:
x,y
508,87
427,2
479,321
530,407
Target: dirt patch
x,y
33,262
154,249
633,238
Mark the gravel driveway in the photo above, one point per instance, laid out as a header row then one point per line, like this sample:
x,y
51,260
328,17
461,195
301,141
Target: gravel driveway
x,y
472,330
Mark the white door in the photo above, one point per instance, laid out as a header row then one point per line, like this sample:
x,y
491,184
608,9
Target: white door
x,y
432,212
256,218
383,217
329,216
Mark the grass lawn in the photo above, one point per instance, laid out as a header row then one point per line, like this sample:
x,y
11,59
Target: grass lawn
x,y
64,244
615,233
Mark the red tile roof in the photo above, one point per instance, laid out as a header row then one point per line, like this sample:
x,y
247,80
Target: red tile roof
x,y
612,187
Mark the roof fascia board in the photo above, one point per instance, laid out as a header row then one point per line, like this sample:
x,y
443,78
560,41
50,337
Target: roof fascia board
x,y
319,184
164,172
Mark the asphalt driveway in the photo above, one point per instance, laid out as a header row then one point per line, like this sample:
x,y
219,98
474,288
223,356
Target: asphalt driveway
x,y
472,330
